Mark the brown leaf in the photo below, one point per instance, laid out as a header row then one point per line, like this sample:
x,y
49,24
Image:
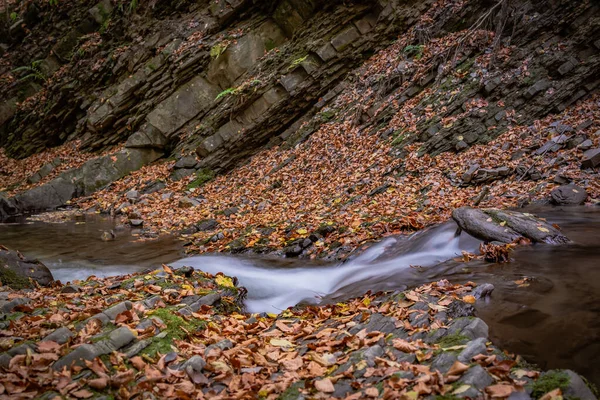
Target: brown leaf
x,y
325,386
48,346
457,368
499,390
555,394
292,365
403,345
99,383
82,394
138,363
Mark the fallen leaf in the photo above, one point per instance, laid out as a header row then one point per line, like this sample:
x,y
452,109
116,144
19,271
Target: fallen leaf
x,y
499,390
325,386
469,299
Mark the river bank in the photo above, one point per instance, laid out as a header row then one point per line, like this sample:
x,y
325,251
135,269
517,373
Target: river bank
x,y
514,283
179,334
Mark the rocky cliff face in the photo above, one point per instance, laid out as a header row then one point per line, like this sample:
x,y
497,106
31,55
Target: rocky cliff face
x,y
224,79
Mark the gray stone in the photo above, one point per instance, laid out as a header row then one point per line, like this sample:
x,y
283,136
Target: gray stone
x,y
326,52
208,300
585,145
71,289
115,310
493,225
136,223
474,347
483,290
101,11
222,345
21,349
186,202
591,159
60,336
132,195
293,79
444,361
77,357
136,348
181,173
151,301
577,387
152,138
519,396
187,162
47,196
345,38
195,363
568,195
207,225
476,328
8,307
476,377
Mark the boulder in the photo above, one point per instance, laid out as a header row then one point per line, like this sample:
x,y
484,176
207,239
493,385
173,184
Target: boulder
x,y
568,195
591,159
7,207
493,225
15,270
48,196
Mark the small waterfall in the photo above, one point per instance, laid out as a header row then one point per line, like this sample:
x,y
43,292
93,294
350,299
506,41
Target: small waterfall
x,y
273,289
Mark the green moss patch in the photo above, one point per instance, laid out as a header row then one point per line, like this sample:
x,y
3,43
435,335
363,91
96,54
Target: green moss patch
x,y
548,382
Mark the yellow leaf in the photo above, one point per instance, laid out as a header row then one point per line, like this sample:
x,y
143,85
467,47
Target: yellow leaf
x,y
543,229
502,223
461,389
226,281
186,287
412,395
366,301
469,299
302,231
281,343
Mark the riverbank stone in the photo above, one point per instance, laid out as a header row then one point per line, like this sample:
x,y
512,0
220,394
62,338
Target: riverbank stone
x,y
494,225
568,195
16,270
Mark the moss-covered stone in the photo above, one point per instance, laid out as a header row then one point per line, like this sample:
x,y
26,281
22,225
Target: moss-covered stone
x,y
549,381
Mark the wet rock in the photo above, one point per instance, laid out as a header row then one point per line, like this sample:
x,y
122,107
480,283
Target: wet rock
x,y
493,225
480,225
591,159
8,207
15,270
568,195
184,271
483,291
136,223
107,236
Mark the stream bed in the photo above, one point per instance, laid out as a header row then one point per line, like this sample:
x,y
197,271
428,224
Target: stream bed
x,y
545,306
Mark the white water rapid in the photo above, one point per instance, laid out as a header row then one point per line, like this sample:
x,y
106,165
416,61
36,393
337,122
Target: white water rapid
x,y
275,289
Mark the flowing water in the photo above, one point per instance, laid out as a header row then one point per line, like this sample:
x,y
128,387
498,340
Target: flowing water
x,y
546,305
